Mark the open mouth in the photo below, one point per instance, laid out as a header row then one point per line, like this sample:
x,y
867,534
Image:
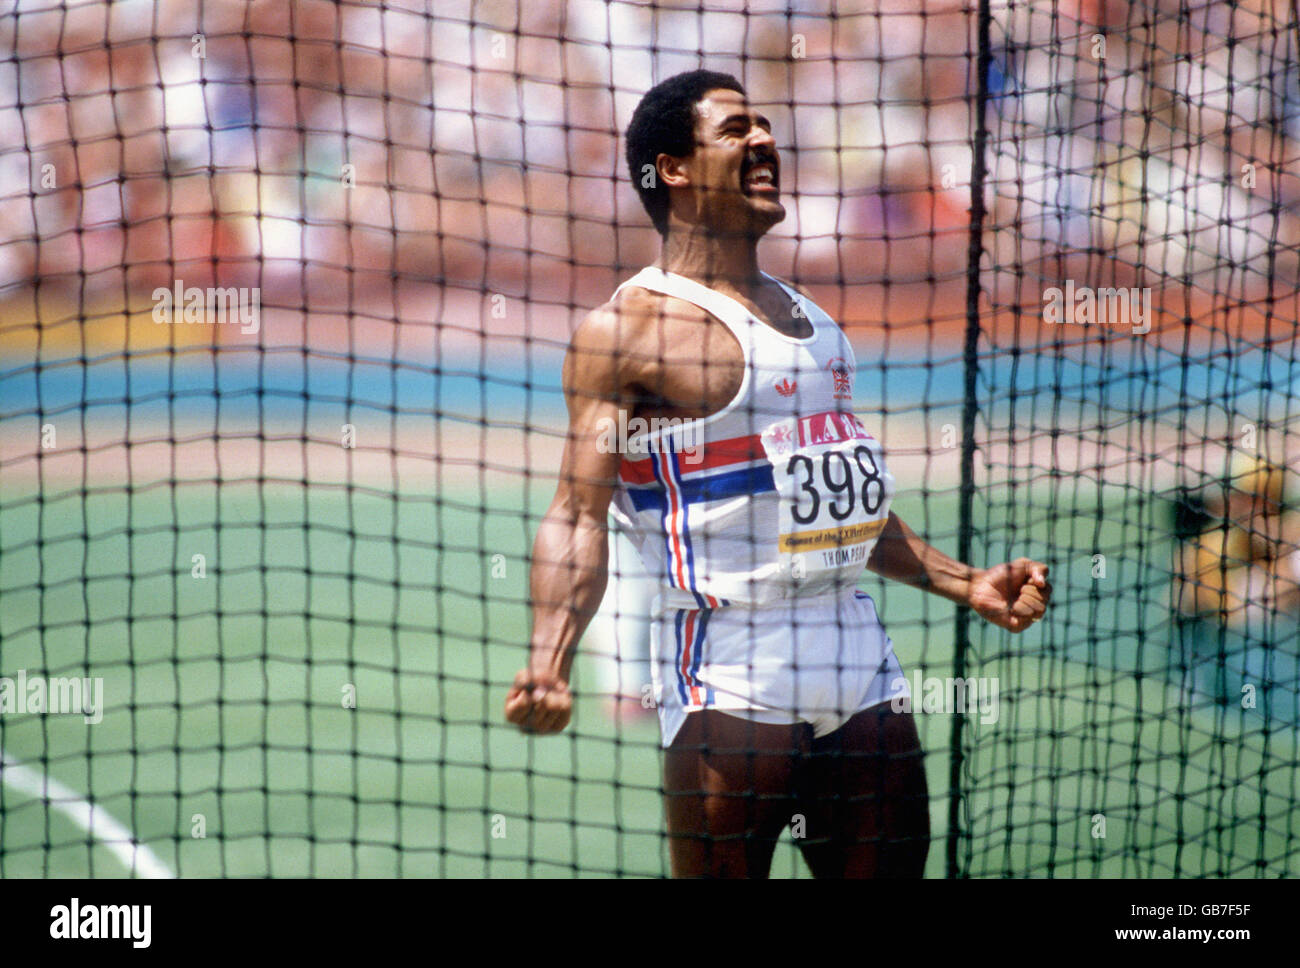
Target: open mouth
x,y
760,177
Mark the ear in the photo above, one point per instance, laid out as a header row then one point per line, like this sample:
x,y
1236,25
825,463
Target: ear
x,y
673,171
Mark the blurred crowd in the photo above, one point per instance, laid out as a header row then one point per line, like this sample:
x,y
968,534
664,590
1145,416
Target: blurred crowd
x,y
476,142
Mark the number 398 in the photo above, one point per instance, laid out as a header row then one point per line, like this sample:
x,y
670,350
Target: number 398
x,y
839,480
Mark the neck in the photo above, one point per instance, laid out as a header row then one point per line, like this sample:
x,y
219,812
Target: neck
x,y
711,259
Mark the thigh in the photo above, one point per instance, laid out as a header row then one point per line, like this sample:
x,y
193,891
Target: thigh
x,y
729,793
863,795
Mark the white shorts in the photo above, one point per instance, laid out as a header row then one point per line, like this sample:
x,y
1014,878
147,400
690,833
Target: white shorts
x,y
818,662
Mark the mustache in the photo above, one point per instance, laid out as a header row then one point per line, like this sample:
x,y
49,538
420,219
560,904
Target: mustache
x,y
758,156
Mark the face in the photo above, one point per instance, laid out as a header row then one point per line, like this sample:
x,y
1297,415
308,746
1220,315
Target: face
x,y
735,171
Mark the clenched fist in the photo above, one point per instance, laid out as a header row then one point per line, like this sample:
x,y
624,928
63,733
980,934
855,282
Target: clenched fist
x,y
539,702
1014,595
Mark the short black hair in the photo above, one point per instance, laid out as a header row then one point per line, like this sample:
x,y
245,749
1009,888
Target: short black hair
x,y
664,123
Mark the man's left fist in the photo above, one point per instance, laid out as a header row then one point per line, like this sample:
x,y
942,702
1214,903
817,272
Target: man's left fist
x,y
1013,595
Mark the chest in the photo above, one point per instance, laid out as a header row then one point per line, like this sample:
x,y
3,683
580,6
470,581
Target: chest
x,y
695,366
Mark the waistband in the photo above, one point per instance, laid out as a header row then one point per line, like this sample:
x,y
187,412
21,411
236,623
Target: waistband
x,y
826,601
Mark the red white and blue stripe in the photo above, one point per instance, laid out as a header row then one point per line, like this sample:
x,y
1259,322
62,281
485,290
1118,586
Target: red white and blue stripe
x,y
691,626
669,485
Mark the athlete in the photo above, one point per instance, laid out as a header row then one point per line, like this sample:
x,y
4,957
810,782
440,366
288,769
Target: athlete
x,y
710,410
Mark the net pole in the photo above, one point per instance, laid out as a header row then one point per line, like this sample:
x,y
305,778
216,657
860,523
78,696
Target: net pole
x,y
965,512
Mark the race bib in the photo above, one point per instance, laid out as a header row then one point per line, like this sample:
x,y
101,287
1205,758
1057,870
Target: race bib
x,y
833,488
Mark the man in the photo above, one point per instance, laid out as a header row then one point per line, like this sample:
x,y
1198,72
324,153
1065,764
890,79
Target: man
x,y
757,497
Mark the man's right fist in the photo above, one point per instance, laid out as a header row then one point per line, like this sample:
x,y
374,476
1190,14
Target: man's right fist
x,y
539,702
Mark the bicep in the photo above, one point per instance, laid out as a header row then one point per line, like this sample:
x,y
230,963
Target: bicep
x,y
589,470
593,444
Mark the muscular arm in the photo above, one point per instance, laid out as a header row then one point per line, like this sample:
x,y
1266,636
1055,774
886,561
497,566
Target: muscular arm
x,y
1013,595
570,553
571,549
901,554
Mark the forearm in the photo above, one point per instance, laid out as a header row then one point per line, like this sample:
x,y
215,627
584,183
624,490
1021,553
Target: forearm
x,y
569,575
900,554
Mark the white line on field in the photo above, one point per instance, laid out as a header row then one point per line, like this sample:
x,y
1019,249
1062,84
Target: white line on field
x,y
97,822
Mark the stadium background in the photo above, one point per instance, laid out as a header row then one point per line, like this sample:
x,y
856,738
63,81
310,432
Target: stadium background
x,y
429,197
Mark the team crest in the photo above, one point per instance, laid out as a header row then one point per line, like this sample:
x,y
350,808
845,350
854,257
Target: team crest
x,y
842,374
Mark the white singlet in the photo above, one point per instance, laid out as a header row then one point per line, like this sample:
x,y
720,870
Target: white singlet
x,y
758,521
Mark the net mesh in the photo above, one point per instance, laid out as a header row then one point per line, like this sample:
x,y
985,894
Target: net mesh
x,y
274,565
1139,442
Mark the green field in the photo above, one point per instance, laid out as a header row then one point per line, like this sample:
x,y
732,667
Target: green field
x,y
225,699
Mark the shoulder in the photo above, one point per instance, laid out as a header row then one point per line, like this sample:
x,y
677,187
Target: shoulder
x,y
631,316
628,311
615,343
